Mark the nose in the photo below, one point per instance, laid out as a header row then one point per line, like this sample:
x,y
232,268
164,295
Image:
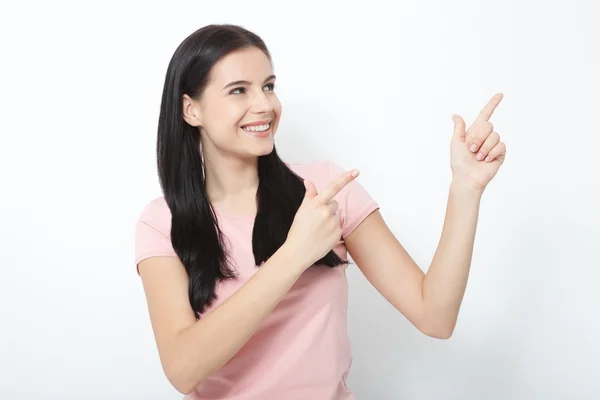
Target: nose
x,y
261,103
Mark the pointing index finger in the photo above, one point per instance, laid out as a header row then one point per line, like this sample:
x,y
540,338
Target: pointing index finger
x,y
336,186
489,108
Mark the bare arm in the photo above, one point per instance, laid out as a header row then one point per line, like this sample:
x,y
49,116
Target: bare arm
x,y
431,301
445,283
190,349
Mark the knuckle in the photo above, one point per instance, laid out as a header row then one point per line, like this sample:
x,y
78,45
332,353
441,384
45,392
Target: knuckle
x,y
317,201
491,142
315,207
335,205
499,148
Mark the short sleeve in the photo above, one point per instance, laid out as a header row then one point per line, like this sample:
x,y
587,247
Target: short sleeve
x,y
355,203
152,235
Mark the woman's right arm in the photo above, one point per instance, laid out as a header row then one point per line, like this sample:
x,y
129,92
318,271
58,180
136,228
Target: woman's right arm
x,y
189,349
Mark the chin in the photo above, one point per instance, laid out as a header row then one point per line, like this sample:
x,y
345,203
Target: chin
x,y
265,149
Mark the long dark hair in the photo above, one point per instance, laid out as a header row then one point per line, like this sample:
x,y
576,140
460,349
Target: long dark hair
x,y
195,233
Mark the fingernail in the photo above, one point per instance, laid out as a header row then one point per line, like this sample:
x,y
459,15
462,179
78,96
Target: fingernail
x,y
355,173
473,148
479,156
487,159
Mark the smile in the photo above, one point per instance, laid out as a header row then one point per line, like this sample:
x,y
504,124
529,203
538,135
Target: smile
x,y
258,130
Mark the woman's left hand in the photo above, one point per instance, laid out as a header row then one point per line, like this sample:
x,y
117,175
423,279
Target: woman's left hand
x,y
476,154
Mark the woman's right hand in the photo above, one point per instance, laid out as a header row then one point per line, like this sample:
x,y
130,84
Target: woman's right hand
x,y
316,226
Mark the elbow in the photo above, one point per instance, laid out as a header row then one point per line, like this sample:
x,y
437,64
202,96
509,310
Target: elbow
x,y
440,335
438,332
184,390
182,379
437,328
182,384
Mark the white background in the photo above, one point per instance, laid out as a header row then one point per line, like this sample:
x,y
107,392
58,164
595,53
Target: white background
x,y
371,86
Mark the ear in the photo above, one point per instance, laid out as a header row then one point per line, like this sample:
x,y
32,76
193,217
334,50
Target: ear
x,y
191,111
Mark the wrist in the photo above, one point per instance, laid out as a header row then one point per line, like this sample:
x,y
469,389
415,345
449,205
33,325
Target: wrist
x,y
466,187
293,256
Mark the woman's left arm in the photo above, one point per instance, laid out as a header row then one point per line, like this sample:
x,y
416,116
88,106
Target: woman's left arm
x,y
431,301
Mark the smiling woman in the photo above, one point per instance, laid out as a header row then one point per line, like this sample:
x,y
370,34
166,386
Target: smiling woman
x,y
230,110
243,259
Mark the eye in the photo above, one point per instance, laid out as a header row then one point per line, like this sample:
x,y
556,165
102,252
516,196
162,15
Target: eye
x,y
238,90
271,86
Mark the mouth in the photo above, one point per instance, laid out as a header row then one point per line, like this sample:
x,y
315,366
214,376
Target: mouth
x,y
258,130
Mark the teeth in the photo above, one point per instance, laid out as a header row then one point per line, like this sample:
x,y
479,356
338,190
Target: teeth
x,y
257,128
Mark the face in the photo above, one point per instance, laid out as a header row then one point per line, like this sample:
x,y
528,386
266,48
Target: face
x,y
238,112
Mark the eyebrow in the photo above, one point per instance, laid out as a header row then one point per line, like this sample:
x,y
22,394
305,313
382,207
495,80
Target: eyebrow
x,y
246,82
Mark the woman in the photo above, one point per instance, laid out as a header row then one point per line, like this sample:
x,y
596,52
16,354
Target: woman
x,y
243,260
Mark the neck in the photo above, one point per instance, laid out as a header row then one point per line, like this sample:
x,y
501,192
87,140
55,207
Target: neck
x,y
230,180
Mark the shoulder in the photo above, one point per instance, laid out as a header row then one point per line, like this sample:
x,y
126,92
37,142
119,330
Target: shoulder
x,y
308,166
153,231
319,170
156,213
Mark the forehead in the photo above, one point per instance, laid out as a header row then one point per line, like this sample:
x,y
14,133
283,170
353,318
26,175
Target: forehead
x,y
247,64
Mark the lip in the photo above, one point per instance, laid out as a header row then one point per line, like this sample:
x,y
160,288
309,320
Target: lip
x,y
264,134
255,123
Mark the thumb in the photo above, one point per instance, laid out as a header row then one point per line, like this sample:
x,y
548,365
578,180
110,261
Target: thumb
x,y
459,127
311,191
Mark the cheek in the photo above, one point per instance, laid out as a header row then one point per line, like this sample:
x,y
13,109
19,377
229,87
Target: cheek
x,y
232,114
277,109
227,115
276,104
223,121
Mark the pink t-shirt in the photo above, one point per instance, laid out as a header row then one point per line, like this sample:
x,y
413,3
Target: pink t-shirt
x,y
301,350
